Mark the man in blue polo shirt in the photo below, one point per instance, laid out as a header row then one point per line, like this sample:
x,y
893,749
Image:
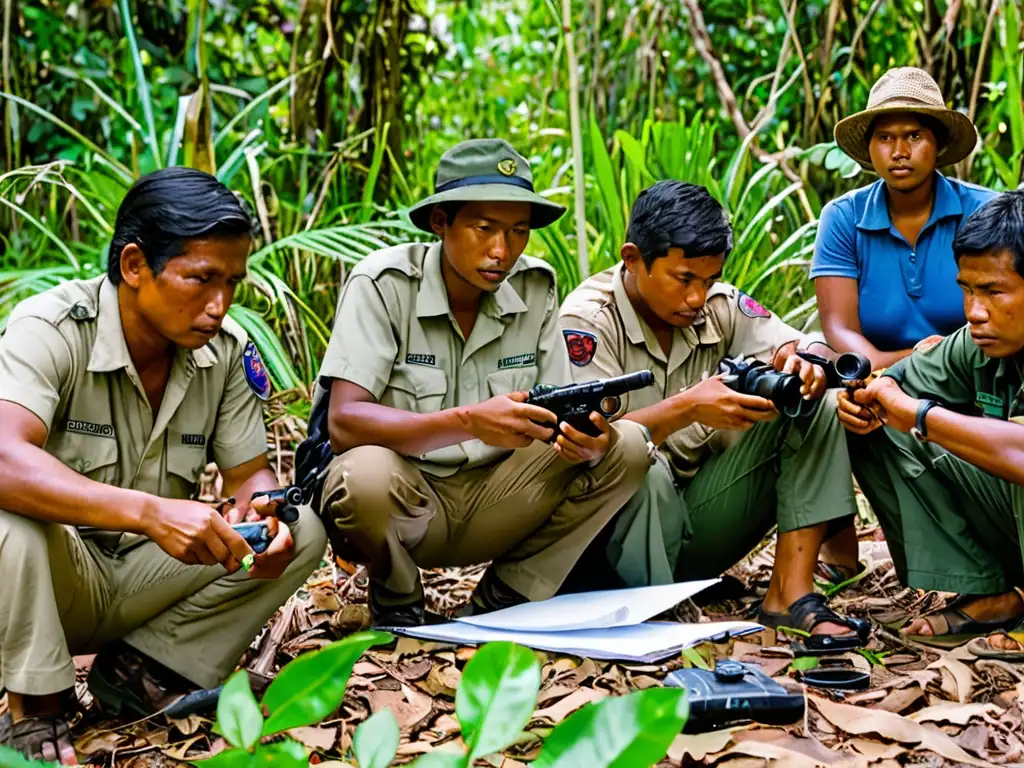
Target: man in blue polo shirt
x,y
883,265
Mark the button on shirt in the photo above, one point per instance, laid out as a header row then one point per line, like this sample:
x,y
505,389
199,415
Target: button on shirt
x,y
395,336
906,292
729,325
63,357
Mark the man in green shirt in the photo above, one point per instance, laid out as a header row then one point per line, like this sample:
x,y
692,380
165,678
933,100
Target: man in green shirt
x,y
945,475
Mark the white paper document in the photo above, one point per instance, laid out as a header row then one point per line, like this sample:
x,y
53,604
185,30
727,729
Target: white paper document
x,y
646,643
611,624
591,610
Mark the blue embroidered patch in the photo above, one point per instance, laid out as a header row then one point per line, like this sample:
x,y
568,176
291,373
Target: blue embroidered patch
x,y
255,372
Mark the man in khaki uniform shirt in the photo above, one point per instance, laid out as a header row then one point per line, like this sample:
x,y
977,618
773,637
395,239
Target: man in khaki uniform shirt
x,y
715,491
422,395
115,393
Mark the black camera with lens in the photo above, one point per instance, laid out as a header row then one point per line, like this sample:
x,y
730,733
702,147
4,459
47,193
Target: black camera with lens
x,y
762,380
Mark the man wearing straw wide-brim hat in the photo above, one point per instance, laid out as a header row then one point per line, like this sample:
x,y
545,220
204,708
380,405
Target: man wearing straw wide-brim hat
x,y
901,91
883,266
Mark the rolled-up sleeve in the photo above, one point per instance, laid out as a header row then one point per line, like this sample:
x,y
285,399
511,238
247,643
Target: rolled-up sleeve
x,y
35,363
835,247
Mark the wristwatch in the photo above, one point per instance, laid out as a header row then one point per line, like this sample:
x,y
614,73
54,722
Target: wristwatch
x,y
920,428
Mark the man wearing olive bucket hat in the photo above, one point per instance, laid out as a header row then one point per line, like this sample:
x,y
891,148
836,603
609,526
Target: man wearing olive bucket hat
x,y
437,458
883,266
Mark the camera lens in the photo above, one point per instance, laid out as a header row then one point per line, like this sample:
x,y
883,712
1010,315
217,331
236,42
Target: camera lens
x,y
852,367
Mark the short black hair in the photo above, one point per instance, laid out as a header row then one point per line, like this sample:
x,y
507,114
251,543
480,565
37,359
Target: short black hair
x,y
171,205
995,227
936,126
677,214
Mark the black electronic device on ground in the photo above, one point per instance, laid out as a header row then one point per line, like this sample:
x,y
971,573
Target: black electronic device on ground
x,y
734,693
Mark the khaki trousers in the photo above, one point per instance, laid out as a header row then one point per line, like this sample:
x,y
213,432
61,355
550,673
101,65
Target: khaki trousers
x,y
532,513
64,595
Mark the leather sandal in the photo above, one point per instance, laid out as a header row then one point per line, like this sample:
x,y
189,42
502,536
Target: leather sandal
x,y
981,648
810,611
951,627
44,737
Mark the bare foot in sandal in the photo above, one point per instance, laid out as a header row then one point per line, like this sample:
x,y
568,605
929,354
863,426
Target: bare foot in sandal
x,y
983,609
37,728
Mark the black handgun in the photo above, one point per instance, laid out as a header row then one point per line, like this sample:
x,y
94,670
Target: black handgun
x,y
256,534
574,403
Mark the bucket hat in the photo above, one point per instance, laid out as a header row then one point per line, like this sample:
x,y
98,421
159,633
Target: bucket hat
x,y
485,170
907,89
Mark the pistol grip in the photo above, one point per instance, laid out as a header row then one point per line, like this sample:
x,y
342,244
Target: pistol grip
x,y
256,535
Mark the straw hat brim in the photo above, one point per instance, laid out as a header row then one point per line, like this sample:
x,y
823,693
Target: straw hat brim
x,y
851,133
542,213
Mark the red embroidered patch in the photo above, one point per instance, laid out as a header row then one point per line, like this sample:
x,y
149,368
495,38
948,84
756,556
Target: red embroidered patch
x,y
751,308
581,346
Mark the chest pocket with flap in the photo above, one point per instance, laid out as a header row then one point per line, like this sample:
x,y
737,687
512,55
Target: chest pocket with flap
x,y
512,380
416,388
186,457
94,456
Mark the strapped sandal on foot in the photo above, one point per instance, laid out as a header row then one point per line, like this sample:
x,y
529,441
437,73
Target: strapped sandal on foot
x,y
981,648
807,613
48,738
951,627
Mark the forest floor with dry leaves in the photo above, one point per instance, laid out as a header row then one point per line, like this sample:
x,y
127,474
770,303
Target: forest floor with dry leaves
x,y
924,706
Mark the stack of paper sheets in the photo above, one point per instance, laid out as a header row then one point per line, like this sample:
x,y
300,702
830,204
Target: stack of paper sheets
x,y
611,624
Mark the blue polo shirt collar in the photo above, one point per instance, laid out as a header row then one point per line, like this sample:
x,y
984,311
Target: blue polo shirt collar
x,y
876,210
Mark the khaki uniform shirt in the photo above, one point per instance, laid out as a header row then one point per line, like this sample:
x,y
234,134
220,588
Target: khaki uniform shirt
x,y
959,375
731,324
395,336
63,356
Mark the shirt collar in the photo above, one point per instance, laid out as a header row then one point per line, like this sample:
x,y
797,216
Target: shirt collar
x,y
630,319
110,350
876,207
432,297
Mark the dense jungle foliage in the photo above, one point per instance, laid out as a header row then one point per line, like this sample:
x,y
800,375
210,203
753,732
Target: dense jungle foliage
x,y
329,117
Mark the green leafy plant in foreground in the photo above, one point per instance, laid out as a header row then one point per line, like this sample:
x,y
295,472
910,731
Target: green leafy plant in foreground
x,y
494,702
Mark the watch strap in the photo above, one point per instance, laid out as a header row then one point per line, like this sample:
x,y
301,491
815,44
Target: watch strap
x,y
920,430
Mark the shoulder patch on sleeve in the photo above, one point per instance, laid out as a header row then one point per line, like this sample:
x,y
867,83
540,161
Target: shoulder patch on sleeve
x,y
581,346
255,372
751,308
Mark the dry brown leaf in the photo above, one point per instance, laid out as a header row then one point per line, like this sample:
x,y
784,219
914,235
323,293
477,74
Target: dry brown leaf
x,y
875,750
699,745
900,699
958,714
188,725
178,751
768,751
315,738
102,742
585,671
889,725
441,679
366,669
553,692
643,682
779,737
556,713
407,705
957,678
